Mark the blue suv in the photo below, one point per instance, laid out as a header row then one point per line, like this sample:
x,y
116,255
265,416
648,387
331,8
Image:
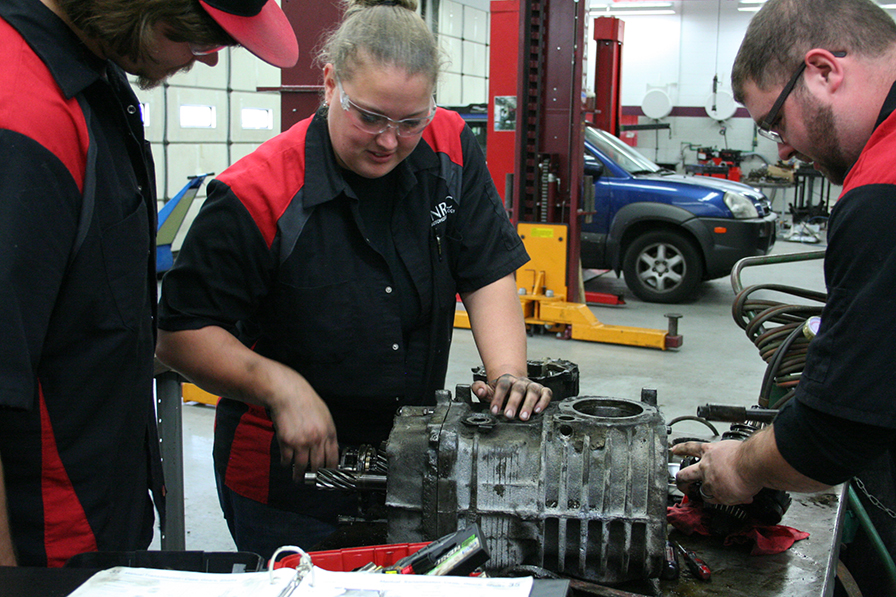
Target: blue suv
x,y
664,231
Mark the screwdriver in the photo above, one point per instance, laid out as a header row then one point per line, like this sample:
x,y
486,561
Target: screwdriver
x,y
697,566
670,565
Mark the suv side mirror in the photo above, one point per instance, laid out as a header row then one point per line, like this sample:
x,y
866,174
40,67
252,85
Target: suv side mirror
x,y
593,166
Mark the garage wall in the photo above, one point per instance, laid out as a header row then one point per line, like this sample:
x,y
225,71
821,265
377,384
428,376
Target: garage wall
x,y
206,119
680,54
464,34
203,120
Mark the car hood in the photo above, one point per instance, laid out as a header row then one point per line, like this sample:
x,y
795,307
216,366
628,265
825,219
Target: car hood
x,y
722,185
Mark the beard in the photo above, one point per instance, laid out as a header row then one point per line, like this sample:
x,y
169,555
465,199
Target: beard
x,y
827,153
146,82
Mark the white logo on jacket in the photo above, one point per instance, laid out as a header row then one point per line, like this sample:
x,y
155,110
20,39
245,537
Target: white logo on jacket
x,y
441,211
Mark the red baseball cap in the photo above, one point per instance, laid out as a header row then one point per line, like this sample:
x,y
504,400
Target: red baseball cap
x,y
260,26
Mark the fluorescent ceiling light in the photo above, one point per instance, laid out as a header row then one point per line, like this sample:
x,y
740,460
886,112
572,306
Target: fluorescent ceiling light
x,y
633,8
634,13
625,5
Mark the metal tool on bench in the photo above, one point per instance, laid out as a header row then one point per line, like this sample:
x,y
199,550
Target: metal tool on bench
x,y
693,562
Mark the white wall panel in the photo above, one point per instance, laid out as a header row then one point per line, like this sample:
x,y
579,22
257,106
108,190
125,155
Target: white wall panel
x,y
241,150
248,73
451,15
450,91
475,60
709,43
681,54
483,5
454,48
475,90
475,25
266,101
180,96
189,159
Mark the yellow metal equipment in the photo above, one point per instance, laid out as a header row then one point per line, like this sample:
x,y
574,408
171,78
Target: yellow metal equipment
x,y
543,291
193,393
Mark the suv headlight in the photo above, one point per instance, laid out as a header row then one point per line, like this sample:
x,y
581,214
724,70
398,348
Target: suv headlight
x,y
741,207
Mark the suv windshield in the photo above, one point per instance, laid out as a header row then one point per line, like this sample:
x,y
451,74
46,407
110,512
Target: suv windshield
x,y
627,158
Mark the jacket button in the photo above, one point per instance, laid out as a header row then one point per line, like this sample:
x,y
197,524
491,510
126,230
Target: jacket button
x,y
388,290
395,347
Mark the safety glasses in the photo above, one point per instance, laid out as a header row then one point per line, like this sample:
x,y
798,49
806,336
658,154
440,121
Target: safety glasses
x,y
205,49
374,124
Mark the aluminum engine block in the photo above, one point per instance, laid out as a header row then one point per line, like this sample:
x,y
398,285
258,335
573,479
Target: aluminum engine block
x,y
579,490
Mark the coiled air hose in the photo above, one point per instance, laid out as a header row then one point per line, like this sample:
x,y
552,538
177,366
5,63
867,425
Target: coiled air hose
x,y
777,331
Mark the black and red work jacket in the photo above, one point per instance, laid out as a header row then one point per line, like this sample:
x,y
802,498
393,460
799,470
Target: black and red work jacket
x,y
280,257
78,439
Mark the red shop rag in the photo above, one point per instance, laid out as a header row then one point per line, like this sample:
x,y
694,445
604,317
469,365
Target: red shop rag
x,y
689,517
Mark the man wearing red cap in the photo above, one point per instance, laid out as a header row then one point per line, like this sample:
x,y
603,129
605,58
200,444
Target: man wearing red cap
x,y
78,441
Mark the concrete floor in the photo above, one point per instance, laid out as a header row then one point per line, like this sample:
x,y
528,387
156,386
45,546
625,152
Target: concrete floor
x,y
717,363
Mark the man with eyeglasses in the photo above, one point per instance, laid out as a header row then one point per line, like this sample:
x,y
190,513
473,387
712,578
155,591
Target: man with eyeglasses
x,y
78,441
817,76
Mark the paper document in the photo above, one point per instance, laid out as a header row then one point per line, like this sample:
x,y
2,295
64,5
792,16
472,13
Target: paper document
x,y
148,582
324,583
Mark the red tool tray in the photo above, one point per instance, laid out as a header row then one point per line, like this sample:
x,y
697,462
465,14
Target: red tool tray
x,y
346,560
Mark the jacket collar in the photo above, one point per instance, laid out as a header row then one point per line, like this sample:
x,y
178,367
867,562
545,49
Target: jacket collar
x,y
323,176
70,62
888,107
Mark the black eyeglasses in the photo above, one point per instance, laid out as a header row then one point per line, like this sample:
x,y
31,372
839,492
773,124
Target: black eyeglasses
x,y
771,119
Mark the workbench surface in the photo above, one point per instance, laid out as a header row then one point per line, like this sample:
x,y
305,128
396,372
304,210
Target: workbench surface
x,y
807,569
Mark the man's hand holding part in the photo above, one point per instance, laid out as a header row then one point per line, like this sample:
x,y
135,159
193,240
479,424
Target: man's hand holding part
x,y
732,472
717,472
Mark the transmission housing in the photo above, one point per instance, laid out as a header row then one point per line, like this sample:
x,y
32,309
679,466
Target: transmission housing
x,y
579,489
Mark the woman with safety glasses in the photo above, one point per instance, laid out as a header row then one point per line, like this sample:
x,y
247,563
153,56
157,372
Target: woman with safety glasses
x,y
316,289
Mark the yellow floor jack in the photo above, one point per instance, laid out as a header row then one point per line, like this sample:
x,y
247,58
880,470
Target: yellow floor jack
x,y
543,290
